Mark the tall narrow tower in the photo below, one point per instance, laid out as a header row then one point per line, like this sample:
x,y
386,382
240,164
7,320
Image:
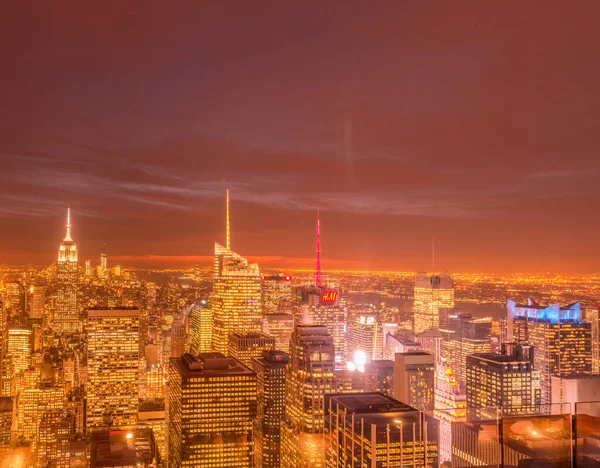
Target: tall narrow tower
x,y
227,229
66,317
318,274
103,260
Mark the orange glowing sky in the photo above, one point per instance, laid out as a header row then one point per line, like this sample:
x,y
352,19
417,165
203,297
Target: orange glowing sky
x,y
476,123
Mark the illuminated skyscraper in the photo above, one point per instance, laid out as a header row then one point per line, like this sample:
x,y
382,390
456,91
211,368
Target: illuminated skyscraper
x,y
212,403
38,301
310,375
32,403
414,377
270,378
592,316
328,308
236,298
245,346
113,358
462,336
88,269
14,298
562,342
374,430
430,295
103,261
506,381
365,334
280,327
19,348
450,405
178,337
276,290
201,322
56,429
66,316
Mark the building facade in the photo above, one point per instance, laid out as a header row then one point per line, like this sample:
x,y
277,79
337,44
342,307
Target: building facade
x,y
431,294
236,298
245,346
66,315
113,361
270,381
414,378
212,404
506,382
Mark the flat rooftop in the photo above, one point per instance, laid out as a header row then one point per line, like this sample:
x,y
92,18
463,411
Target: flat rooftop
x,y
209,365
367,403
123,447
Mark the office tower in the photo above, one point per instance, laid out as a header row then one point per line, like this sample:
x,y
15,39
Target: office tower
x,y
462,336
592,316
562,342
328,308
32,403
56,429
365,334
38,301
508,381
88,269
310,375
7,411
450,406
400,344
178,337
236,300
270,382
201,322
245,346
236,297
280,327
152,378
349,381
14,299
431,294
212,403
374,430
66,316
276,290
103,262
152,414
19,348
124,447
113,356
414,376
380,376
431,342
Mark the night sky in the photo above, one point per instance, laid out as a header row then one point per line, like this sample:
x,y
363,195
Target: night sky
x,y
474,122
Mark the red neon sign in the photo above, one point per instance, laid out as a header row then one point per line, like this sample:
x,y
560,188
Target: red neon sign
x,y
329,296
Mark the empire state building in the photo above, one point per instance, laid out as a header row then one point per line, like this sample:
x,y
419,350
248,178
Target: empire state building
x,y
66,317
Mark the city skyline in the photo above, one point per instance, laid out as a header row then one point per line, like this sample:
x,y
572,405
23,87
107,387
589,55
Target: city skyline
x,y
299,234
474,125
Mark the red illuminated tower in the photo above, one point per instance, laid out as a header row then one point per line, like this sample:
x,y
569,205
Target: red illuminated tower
x,y
318,274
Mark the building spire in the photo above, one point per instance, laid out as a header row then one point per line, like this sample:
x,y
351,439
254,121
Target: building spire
x,y
68,236
318,273
227,229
